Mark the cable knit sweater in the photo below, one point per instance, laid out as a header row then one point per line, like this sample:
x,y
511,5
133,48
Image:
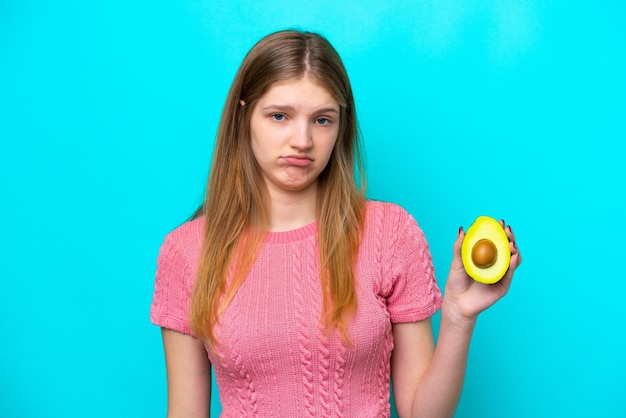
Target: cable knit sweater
x,y
274,360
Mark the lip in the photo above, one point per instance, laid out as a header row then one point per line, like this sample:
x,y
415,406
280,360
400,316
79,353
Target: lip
x,y
298,160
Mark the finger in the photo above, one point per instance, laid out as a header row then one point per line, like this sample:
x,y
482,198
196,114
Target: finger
x,y
515,251
459,240
507,279
507,230
512,240
457,263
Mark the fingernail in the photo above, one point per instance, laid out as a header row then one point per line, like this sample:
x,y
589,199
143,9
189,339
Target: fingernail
x,y
514,246
503,223
460,230
509,228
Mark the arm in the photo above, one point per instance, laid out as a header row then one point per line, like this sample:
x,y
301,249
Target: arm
x,y
188,376
427,381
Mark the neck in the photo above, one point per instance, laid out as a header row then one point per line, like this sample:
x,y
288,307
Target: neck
x,y
291,210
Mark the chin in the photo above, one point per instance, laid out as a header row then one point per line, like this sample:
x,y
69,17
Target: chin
x,y
296,186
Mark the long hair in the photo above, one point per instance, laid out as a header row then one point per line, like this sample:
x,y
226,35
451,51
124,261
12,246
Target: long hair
x,y
236,197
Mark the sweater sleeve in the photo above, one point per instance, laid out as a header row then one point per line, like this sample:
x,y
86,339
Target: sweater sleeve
x,y
172,287
413,293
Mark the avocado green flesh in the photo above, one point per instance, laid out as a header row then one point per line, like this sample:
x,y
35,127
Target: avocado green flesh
x,y
485,250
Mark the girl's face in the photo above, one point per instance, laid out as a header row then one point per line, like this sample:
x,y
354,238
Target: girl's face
x,y
294,127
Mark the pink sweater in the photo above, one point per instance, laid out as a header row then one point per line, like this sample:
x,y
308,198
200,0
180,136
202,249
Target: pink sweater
x,y
274,361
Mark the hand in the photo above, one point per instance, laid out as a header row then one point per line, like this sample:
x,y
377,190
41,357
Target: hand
x,y
464,297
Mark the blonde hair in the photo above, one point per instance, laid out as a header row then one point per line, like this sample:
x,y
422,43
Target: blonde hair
x,y
236,197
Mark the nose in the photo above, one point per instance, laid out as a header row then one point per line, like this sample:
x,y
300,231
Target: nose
x,y
302,136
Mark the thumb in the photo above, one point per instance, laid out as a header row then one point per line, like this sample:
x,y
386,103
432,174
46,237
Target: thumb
x,y
457,262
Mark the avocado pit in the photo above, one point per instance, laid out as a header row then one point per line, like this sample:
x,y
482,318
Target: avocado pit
x,y
484,254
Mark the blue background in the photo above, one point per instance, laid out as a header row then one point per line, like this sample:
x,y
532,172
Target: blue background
x,y
514,109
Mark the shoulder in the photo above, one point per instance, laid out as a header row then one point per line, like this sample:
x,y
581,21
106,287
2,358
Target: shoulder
x,y
187,236
379,205
177,265
388,214
395,243
185,241
390,227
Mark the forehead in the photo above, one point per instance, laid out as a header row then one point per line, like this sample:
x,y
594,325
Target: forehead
x,y
303,90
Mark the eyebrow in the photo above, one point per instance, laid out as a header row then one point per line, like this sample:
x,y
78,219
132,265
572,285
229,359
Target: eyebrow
x,y
288,108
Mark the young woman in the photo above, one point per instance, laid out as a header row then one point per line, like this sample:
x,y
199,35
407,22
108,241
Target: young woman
x,y
305,297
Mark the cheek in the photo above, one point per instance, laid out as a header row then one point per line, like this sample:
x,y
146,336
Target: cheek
x,y
258,143
330,148
330,144
257,150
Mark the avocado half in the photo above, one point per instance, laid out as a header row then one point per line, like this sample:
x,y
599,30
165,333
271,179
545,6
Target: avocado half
x,y
485,250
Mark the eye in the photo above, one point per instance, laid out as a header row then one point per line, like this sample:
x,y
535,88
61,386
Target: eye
x,y
279,117
323,121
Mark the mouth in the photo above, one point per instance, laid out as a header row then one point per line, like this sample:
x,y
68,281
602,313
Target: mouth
x,y
298,160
